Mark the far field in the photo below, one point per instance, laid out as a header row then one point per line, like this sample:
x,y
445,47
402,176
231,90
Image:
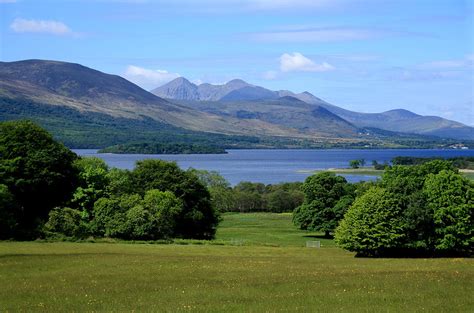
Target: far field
x,y
263,266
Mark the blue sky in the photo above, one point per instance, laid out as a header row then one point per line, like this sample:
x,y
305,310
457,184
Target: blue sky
x,y
363,55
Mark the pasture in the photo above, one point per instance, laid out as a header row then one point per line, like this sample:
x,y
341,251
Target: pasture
x,y
270,272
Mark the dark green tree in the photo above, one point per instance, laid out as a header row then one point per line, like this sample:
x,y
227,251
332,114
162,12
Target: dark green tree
x,y
7,213
321,210
354,163
38,172
198,219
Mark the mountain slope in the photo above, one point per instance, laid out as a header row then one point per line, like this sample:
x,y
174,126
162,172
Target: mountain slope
x,y
87,90
285,111
395,120
61,84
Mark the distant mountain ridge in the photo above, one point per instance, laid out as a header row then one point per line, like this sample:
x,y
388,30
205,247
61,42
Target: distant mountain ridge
x,y
236,89
397,120
88,108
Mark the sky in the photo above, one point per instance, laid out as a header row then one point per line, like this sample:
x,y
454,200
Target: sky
x,y
362,55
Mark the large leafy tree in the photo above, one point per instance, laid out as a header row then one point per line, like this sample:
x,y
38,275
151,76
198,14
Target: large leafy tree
x,y
451,199
38,172
424,209
407,183
322,209
372,225
198,219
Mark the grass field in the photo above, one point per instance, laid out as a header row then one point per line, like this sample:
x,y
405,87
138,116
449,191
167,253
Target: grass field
x,y
266,229
86,277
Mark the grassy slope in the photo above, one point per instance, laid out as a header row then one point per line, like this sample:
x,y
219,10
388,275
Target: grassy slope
x,y
208,278
265,229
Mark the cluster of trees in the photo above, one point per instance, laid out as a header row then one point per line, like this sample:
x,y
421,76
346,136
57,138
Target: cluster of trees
x,y
164,148
45,189
424,209
357,163
251,197
458,162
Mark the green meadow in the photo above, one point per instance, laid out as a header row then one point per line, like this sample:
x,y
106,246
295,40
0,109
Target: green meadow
x,y
258,263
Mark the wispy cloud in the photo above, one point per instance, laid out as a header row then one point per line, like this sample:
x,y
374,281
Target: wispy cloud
x,y
452,64
147,78
462,68
327,34
21,25
296,62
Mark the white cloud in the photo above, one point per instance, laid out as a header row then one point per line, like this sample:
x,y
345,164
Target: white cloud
x,y
298,62
21,25
147,78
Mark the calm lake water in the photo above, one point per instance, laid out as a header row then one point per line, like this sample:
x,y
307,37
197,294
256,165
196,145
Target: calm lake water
x,y
272,166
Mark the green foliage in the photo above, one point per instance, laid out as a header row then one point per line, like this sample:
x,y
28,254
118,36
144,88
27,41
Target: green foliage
x,y
372,225
163,148
93,182
451,199
457,162
120,182
134,217
198,219
327,197
109,215
7,213
222,196
38,172
428,208
257,197
354,163
155,200
164,210
378,166
65,222
280,200
79,129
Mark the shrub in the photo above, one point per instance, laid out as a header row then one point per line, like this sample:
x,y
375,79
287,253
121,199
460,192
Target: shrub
x,y
65,222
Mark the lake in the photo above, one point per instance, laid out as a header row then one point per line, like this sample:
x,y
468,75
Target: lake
x,y
273,166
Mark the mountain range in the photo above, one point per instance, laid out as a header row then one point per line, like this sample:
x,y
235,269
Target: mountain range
x,y
240,93
87,108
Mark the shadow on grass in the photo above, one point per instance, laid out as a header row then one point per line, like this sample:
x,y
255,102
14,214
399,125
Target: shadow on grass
x,y
318,236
